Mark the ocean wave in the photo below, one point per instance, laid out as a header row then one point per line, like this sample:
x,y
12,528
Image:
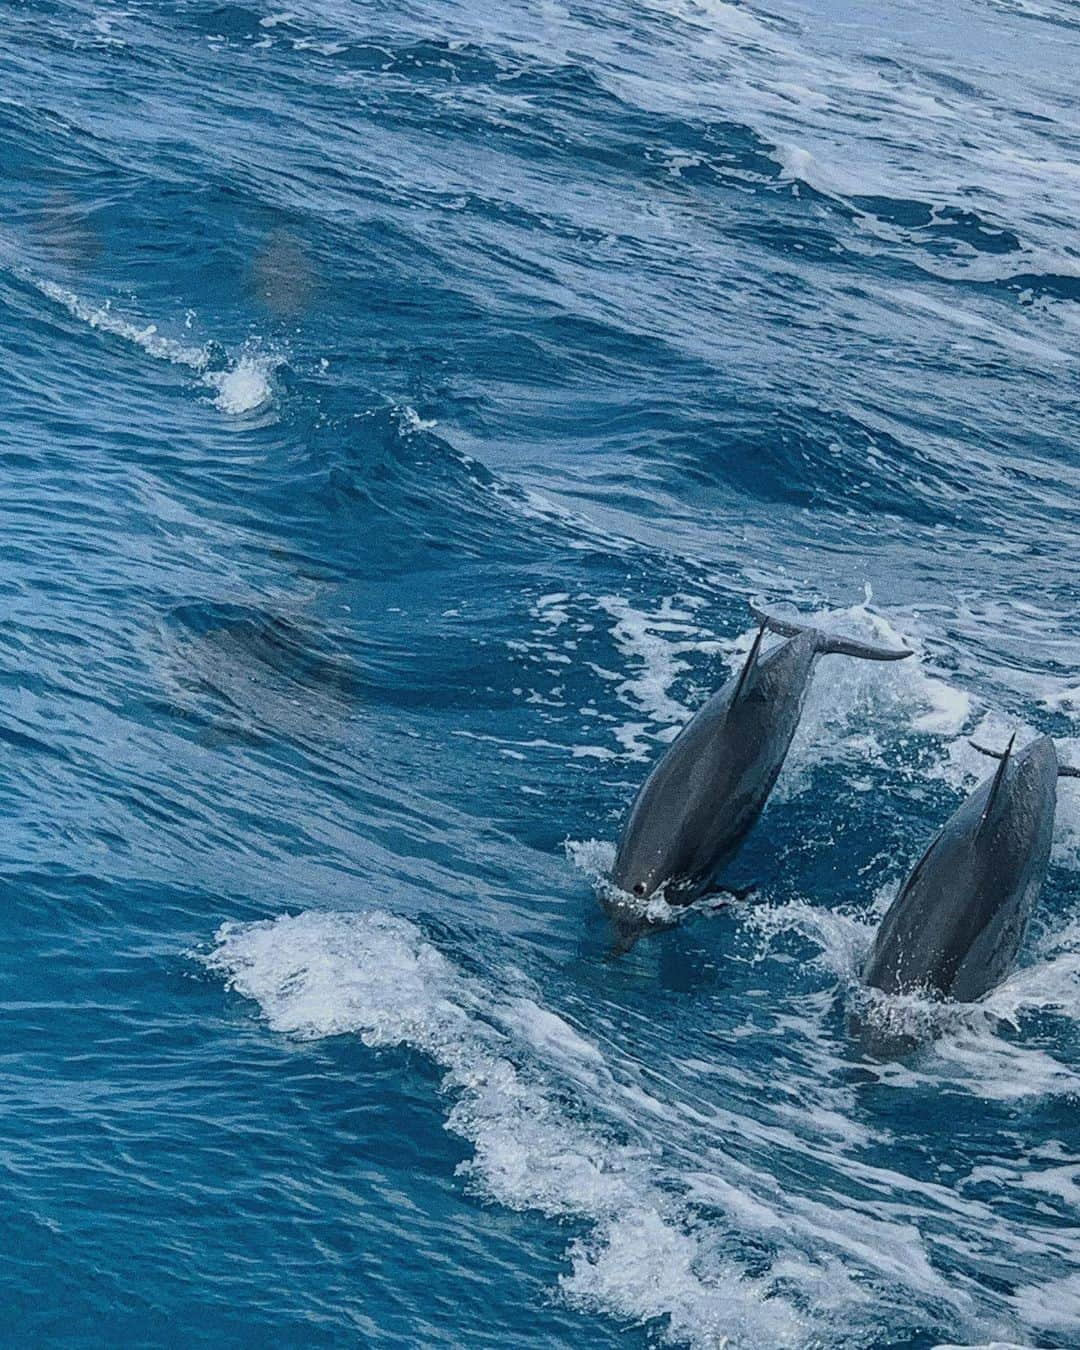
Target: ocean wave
x,y
597,320
242,386
372,975
554,1127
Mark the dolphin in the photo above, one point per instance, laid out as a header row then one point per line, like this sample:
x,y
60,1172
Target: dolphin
x,y
700,801
958,922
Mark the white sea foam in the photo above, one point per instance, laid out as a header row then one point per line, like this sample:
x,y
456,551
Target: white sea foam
x,y
661,1173
976,1048
654,645
244,387
639,1267
799,164
594,857
1052,1306
145,335
507,1064
241,388
412,421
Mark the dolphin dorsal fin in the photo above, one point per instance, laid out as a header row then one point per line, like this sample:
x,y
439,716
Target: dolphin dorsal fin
x,y
748,667
995,786
1064,770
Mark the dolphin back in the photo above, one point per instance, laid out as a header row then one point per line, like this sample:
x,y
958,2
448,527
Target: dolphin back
x,y
703,797
958,923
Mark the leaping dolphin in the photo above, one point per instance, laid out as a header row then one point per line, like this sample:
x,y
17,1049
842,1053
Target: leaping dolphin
x,y
701,800
958,922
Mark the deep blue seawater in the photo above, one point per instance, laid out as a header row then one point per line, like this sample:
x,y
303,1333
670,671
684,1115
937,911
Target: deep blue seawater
x,y
398,403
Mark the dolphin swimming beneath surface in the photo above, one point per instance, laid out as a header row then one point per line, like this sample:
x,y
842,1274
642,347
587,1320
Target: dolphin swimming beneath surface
x,y
958,922
701,800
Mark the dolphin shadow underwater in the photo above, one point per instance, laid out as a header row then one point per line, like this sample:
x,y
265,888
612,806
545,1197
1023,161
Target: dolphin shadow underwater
x,y
705,794
954,930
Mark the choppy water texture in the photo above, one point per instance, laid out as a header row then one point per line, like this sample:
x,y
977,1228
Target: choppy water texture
x,y
397,404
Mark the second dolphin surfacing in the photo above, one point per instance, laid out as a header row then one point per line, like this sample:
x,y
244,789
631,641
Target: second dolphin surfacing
x,y
957,924
703,797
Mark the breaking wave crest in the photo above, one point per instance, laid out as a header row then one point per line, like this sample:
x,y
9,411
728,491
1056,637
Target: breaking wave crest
x,y
662,1190
507,1065
241,386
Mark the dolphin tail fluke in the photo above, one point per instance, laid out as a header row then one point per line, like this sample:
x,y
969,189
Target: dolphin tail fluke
x,y
999,778
865,651
828,644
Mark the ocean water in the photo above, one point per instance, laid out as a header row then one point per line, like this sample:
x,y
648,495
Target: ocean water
x,y
398,404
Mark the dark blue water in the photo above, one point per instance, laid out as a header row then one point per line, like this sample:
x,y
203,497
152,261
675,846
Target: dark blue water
x,y
397,405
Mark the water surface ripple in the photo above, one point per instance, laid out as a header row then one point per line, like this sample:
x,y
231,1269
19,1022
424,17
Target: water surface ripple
x,y
399,404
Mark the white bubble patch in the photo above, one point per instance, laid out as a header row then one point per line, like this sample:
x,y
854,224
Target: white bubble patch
x,y
145,335
245,388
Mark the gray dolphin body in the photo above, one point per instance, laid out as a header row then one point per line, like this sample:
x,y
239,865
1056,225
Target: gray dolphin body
x,y
702,798
958,922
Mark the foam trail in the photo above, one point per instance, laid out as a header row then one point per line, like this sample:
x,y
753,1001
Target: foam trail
x,y
315,975
105,319
242,388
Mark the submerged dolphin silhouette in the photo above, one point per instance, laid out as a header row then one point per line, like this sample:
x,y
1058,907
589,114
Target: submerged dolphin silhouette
x,y
958,922
701,800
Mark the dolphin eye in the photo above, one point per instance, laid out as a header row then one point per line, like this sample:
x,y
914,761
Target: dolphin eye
x,y
639,888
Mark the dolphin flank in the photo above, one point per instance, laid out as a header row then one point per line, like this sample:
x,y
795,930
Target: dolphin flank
x,y
702,798
956,926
